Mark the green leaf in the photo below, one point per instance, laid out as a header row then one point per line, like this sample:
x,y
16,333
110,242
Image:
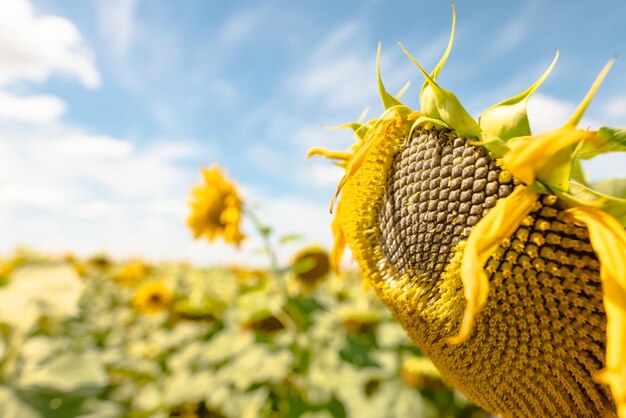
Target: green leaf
x,y
389,100
509,119
425,120
449,107
11,406
582,107
493,144
580,195
66,372
288,238
613,187
35,291
609,140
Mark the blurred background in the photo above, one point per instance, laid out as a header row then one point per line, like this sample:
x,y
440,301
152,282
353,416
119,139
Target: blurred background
x,y
108,111
108,108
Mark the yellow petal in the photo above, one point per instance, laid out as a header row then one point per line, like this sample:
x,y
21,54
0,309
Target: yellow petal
x,y
485,238
339,240
608,239
334,155
383,128
538,156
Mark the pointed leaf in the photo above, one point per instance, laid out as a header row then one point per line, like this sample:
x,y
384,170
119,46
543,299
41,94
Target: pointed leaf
x,y
388,100
449,108
609,140
428,101
509,119
578,114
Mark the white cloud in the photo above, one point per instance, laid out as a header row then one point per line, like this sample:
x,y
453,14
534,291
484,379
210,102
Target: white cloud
x,y
547,113
34,47
616,107
321,174
39,109
116,21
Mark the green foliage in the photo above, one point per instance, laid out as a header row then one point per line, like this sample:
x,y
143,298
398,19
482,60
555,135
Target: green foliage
x,y
234,342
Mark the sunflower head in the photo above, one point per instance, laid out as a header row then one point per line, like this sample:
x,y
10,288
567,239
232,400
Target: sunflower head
x,y
421,373
216,208
152,297
132,273
487,243
311,266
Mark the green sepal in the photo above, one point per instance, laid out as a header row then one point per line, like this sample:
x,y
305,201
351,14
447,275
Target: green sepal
x,y
612,187
428,100
403,90
609,140
422,120
388,100
449,107
493,144
509,118
579,195
539,187
359,128
582,107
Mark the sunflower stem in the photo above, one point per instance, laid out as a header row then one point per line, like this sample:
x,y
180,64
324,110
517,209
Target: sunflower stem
x,y
265,233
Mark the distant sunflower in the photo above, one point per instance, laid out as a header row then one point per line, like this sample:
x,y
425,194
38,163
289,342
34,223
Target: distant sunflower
x,y
133,273
311,265
152,297
216,208
487,244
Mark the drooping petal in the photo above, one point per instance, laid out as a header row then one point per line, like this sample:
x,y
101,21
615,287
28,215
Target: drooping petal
x,y
339,241
331,154
499,223
389,124
449,107
545,156
509,119
608,239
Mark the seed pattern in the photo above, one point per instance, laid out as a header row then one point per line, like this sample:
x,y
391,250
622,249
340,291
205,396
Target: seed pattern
x,y
541,336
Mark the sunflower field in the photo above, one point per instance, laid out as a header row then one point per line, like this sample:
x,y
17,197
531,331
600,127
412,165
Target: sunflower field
x,y
97,338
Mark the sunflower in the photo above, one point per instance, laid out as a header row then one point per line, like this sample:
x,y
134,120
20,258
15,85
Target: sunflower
x,y
311,266
132,273
152,297
486,242
216,208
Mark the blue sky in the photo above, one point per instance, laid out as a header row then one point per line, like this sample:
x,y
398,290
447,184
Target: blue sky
x,y
109,108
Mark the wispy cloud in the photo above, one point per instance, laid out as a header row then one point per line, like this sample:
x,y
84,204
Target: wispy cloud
x,y
616,107
34,47
116,20
38,109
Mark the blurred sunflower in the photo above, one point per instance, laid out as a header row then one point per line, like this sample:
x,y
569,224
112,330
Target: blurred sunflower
x,y
486,242
216,208
152,297
421,373
311,266
131,274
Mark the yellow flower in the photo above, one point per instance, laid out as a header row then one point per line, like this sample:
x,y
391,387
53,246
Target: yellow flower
x,y
485,241
421,373
133,273
216,208
152,297
311,266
